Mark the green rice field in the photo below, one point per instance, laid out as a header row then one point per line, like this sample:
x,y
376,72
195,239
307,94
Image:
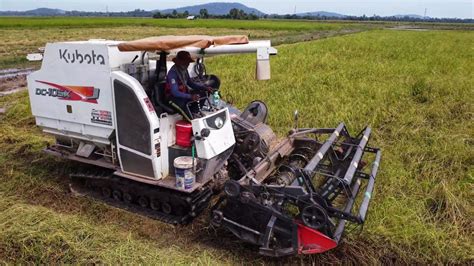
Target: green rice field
x,y
80,22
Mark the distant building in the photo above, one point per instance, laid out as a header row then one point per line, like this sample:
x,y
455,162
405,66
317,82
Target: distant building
x,y
191,18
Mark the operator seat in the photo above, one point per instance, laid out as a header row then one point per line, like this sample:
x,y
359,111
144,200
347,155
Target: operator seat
x,y
159,95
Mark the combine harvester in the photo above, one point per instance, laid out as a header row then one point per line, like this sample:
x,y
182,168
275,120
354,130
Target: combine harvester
x,y
104,103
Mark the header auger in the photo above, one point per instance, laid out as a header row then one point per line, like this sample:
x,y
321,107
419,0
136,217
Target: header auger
x,y
290,195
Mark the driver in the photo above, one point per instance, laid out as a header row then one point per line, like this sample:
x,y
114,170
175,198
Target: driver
x,y
180,89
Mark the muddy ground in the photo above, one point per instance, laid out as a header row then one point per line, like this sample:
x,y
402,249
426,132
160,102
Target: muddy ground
x,y
13,79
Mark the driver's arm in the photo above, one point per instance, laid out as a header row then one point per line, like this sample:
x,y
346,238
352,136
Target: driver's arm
x,y
196,86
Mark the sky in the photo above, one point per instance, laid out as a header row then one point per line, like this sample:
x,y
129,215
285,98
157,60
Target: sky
x,y
434,8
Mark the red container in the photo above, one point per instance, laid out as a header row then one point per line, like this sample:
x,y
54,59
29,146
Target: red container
x,y
184,132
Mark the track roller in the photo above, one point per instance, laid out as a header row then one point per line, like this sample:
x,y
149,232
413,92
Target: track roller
x,y
152,201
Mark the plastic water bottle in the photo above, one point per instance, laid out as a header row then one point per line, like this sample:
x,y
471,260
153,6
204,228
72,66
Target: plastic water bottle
x,y
215,99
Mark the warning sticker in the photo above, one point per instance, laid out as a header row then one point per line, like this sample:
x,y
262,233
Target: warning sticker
x,y
101,117
149,105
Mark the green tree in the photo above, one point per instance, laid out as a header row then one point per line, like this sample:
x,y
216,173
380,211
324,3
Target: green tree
x,y
203,13
252,16
175,13
241,14
234,13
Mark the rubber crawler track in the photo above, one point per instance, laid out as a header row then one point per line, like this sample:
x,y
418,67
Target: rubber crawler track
x,y
158,203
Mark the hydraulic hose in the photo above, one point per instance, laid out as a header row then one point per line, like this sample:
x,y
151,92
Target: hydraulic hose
x,y
180,111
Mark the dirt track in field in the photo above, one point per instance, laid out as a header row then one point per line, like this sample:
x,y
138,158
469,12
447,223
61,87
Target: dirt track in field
x,y
13,79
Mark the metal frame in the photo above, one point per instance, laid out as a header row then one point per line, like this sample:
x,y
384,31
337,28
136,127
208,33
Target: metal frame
x,y
272,226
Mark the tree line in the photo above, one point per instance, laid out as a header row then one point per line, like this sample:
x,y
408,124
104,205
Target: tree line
x,y
234,13
370,18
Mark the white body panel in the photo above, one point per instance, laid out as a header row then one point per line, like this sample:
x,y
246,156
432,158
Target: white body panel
x,y
71,94
219,139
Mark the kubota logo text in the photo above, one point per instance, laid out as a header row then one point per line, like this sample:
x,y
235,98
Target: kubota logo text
x,y
77,57
69,93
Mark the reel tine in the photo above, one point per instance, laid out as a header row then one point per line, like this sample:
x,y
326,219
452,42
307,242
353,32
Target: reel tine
x,y
357,156
347,209
364,206
313,163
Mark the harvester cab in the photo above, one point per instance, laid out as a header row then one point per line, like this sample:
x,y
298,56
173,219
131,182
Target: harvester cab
x,y
104,101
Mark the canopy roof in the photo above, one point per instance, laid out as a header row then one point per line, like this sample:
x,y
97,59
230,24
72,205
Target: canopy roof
x,y
166,43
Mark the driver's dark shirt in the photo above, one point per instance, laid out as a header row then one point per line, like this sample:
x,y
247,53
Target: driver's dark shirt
x,y
174,80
